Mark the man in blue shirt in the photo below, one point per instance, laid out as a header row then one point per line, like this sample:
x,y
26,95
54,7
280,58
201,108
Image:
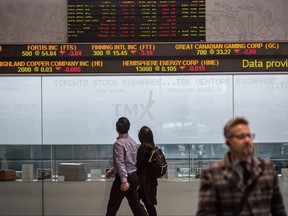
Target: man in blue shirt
x,y
124,167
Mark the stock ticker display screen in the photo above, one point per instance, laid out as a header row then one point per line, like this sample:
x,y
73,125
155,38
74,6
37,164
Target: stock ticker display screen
x,y
136,21
140,37
146,58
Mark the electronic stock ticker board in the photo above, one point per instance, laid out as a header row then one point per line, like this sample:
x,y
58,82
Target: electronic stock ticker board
x,y
137,58
136,20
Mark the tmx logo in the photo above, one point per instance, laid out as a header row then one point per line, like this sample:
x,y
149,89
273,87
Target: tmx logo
x,y
135,110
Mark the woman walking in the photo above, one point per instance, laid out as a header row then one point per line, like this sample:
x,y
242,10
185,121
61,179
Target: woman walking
x,y
148,184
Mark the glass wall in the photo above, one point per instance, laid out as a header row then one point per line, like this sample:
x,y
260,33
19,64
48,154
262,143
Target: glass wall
x,y
49,120
51,123
184,159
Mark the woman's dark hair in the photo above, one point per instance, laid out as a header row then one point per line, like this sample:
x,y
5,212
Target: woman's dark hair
x,y
145,135
122,125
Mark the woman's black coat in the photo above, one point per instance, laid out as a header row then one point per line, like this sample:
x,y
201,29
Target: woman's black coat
x,y
148,185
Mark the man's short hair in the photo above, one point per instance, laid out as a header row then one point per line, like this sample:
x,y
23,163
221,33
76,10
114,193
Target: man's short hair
x,y
232,123
122,125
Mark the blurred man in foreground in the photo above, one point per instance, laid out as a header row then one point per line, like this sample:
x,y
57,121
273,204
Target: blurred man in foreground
x,y
240,183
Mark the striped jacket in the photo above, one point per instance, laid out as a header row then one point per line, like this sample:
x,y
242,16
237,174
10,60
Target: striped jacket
x,y
221,190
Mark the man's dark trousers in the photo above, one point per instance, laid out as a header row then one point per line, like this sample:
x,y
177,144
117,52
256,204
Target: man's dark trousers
x,y
116,196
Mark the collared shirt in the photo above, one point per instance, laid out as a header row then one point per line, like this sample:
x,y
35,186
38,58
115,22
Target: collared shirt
x,y
237,166
124,156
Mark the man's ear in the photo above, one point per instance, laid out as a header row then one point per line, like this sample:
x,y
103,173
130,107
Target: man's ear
x,y
227,142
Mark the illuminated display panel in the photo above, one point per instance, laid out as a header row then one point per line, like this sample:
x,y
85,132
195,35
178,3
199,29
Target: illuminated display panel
x,y
263,100
136,20
143,58
83,109
20,110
